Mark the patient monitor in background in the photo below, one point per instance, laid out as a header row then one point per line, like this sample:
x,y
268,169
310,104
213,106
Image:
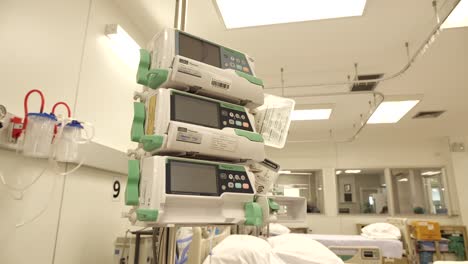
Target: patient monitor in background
x,y
182,61
174,122
174,190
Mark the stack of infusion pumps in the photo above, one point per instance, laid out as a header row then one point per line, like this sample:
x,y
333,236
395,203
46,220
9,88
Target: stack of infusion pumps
x,y
195,128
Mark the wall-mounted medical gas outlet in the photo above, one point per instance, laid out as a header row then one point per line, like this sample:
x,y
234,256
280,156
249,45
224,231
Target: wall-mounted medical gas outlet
x,y
10,129
179,190
181,61
171,121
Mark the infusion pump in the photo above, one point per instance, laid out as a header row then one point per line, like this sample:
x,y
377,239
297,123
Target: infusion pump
x,y
174,190
182,61
176,122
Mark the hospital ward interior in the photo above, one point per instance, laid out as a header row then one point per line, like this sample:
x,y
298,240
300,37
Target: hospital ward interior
x,y
234,131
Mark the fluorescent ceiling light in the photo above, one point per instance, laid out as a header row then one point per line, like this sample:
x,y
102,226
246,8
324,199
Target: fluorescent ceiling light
x,y
338,172
403,180
353,171
311,114
392,111
458,17
430,173
123,45
295,173
250,13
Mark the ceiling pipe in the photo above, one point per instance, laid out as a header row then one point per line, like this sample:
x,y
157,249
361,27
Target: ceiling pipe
x,y
425,45
381,97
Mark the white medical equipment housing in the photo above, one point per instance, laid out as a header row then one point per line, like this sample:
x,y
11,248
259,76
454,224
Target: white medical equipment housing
x,y
179,190
181,61
177,122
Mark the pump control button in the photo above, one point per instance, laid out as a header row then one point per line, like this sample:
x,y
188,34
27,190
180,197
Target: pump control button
x,y
230,184
223,176
238,185
245,186
238,123
231,176
223,187
245,124
231,121
243,177
224,112
237,177
243,117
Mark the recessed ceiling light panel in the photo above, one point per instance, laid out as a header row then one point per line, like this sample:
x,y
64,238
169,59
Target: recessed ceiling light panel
x,y
458,17
250,13
311,114
392,111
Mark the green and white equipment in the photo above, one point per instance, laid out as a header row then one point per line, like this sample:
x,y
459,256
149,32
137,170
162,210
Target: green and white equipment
x,y
178,60
172,122
172,190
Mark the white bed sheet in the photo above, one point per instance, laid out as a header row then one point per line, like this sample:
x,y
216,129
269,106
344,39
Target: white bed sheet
x,y
389,248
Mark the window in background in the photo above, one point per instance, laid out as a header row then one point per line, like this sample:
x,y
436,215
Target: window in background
x,y
418,191
361,191
302,183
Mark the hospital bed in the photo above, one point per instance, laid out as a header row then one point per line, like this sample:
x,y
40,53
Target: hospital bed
x,y
392,251
388,248
201,244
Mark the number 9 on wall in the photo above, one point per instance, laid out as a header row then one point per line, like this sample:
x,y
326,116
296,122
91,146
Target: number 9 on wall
x,y
116,187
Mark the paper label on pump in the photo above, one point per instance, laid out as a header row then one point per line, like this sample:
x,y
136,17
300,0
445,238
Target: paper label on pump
x,y
146,191
189,136
150,121
223,142
218,83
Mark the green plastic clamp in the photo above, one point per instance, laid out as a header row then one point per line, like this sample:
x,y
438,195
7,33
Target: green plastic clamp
x,y
143,67
253,214
345,257
250,78
147,215
274,206
231,167
156,77
133,180
138,125
151,142
233,106
255,137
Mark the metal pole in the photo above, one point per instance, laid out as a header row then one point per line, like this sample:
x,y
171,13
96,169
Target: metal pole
x,y
180,14
171,245
137,248
183,15
176,15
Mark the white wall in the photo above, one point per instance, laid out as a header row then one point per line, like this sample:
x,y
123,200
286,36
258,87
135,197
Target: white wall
x,y
367,153
53,46
460,169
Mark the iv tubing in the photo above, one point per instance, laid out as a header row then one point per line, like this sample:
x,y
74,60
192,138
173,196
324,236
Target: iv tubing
x,y
64,104
26,98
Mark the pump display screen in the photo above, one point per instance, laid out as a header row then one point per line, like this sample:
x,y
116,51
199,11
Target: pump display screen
x,y
194,110
199,50
193,178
